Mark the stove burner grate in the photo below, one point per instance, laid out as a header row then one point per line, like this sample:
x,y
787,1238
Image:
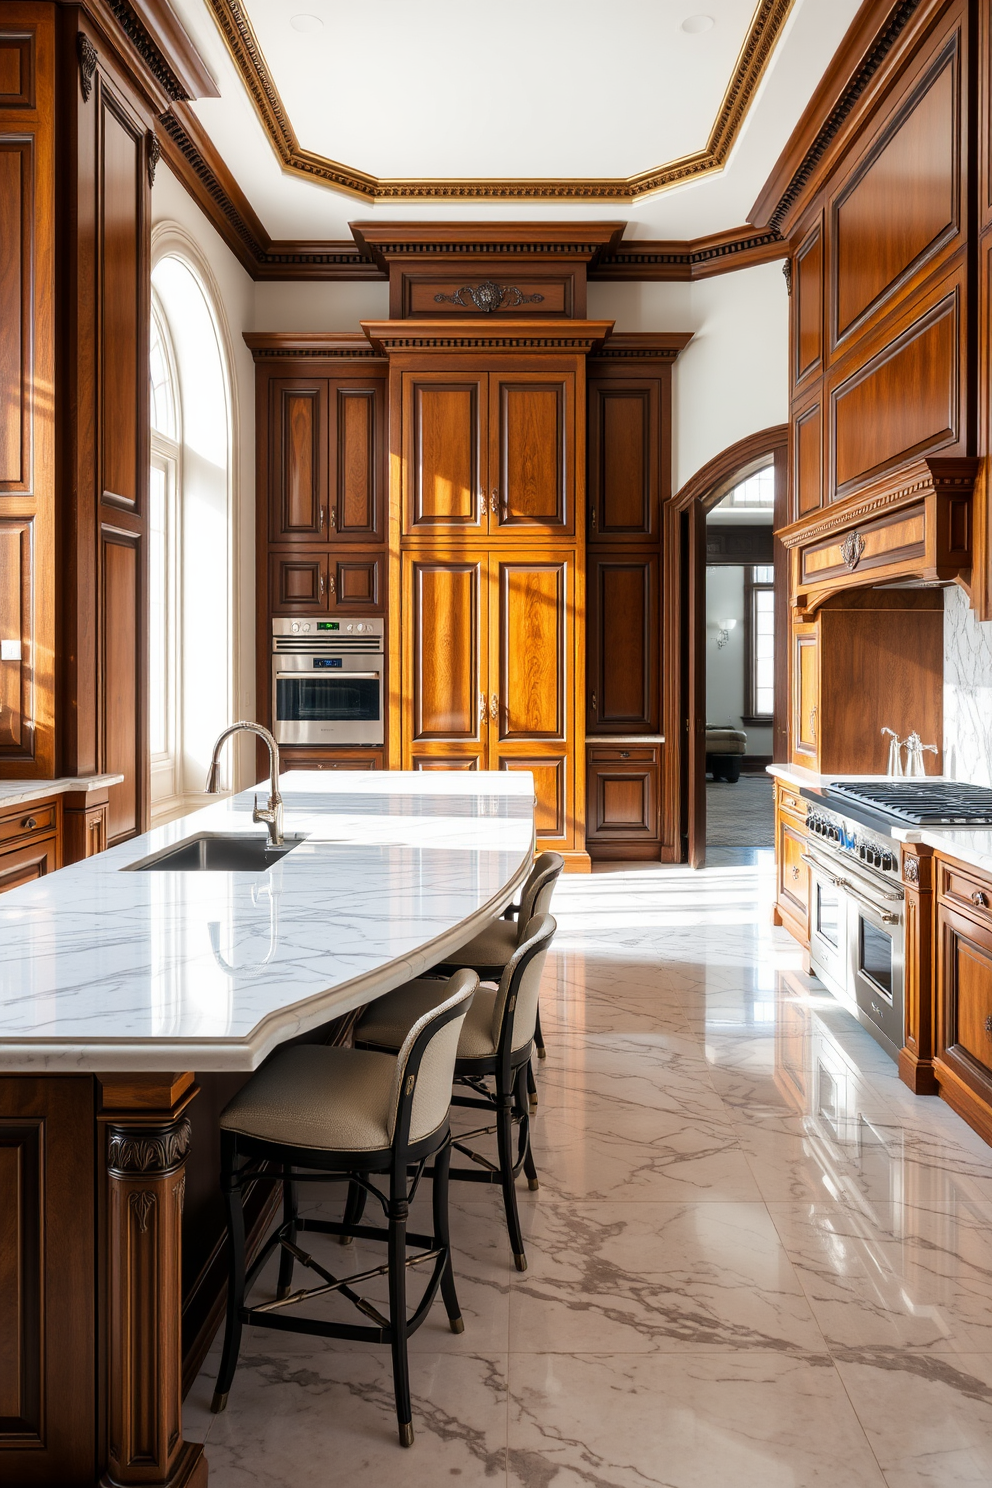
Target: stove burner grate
x,y
921,803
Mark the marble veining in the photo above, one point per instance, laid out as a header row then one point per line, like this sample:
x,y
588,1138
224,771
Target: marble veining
x,y
21,792
755,1258
106,968
967,691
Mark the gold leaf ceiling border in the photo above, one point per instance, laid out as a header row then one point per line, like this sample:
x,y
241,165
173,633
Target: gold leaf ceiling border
x,y
236,29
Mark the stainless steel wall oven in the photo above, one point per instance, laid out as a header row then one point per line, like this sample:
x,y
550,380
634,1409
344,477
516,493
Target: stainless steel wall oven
x,y
327,681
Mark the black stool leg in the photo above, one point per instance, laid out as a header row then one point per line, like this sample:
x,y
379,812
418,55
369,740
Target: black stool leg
x,y
398,1210
542,1052
439,1200
504,1137
524,1152
531,1083
231,1184
354,1208
289,1214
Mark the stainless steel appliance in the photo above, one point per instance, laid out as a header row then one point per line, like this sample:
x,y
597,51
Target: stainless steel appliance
x,y
327,681
857,927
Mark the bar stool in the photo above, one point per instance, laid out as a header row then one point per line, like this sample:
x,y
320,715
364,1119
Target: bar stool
x,y
489,951
345,1115
496,1042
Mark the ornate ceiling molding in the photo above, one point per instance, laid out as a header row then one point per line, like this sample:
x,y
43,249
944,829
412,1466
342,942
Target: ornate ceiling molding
x,y
242,43
390,336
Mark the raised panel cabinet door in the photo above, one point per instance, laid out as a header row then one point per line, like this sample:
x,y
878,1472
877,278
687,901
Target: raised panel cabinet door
x,y
532,452
554,789
23,865
444,757
793,874
624,440
622,637
123,672
808,302
298,582
445,422
16,610
357,462
298,495
964,983
530,671
445,639
622,803
123,302
356,581
806,694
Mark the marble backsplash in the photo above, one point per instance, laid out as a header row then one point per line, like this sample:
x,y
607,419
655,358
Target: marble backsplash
x,y
967,691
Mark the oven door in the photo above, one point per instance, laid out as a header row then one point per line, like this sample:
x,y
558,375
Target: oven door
x,y
828,929
327,699
876,948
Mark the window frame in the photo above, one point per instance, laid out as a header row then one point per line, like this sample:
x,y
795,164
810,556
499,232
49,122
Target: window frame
x,y
753,587
165,454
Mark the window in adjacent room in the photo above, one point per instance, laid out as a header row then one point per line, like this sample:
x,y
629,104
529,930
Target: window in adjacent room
x,y
759,642
164,487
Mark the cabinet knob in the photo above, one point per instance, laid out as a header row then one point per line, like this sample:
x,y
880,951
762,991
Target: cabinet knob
x,y
625,754
29,823
795,872
980,899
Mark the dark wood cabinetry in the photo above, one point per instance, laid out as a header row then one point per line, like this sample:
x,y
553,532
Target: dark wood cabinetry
x,y
326,478
30,842
622,808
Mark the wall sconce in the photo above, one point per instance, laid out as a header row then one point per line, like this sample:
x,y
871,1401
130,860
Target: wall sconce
x,y
726,626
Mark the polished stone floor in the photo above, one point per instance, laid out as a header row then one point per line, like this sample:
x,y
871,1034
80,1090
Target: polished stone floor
x,y
756,1261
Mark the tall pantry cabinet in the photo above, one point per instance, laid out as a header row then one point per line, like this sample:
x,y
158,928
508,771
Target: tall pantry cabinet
x,y
487,532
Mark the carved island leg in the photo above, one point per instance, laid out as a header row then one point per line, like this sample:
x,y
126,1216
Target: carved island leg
x,y
147,1139
916,1056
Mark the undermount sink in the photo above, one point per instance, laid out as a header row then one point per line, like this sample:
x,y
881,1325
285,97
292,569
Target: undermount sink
x,y
217,852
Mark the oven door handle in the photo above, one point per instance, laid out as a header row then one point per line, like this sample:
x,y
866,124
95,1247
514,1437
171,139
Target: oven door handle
x,y
885,916
337,675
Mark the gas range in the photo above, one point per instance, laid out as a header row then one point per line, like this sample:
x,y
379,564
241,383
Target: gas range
x,y
916,802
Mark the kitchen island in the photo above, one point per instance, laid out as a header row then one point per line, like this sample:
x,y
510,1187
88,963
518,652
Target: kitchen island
x,y
133,1004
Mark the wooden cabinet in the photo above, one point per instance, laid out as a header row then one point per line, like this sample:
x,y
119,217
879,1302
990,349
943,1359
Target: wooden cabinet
x,y
963,1062
871,659
625,458
488,454
338,759
622,810
488,670
307,581
30,842
326,451
792,906
298,476
622,635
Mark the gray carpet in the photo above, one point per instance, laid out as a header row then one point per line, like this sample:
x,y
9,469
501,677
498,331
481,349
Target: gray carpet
x,y
741,815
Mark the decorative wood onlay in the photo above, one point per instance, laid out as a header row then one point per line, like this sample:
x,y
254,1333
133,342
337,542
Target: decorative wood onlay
x,y
149,1150
647,346
697,258
154,156
236,29
87,55
925,476
347,345
787,271
870,39
575,336
911,869
141,1201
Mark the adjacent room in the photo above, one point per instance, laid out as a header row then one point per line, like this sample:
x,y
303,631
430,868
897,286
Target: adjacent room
x,y
495,765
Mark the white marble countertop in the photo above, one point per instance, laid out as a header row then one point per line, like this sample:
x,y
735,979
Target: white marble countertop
x,y
110,970
19,792
961,844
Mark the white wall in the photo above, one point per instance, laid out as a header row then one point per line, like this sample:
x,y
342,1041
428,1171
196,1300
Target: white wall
x,y
318,307
178,222
732,379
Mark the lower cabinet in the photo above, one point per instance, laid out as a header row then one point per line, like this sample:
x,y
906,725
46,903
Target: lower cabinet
x,y
622,792
30,843
792,875
331,759
963,1054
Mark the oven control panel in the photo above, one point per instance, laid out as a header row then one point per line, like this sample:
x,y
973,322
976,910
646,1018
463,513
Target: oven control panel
x,y
850,838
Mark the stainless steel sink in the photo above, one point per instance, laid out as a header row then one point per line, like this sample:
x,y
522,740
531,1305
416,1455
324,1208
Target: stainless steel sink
x,y
216,852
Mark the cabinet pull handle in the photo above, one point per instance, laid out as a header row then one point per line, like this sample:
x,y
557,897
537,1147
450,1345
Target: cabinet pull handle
x,y
320,519
494,707
593,703
980,899
29,823
321,586
482,505
812,724
482,706
988,1027
795,871
332,517
625,754
494,502
330,583
592,518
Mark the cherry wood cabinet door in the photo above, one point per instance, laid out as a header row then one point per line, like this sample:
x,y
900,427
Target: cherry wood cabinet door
x,y
445,658
624,460
805,694
356,419
623,632
445,418
298,477
531,671
964,1009
531,452
23,865
298,582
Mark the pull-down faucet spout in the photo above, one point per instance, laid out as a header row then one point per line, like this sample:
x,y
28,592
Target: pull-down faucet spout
x,y
271,814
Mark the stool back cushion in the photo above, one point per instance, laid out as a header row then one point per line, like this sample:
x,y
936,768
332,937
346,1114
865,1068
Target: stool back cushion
x,y
540,928
537,891
432,1091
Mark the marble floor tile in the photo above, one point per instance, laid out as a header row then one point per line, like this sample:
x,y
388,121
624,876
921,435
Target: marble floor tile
x,y
889,1276
722,1421
650,1278
928,1418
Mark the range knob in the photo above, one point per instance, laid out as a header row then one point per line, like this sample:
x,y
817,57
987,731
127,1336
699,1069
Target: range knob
x,y
888,862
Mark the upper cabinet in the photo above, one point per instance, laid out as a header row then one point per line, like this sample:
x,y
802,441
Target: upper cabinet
x,y
624,489
326,473
488,454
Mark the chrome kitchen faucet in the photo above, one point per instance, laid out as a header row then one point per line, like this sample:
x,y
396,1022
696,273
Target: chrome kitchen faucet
x,y
271,814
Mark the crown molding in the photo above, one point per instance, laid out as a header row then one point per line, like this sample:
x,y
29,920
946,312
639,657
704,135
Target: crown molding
x,y
347,345
577,242
242,43
875,32
504,334
697,258
925,476
642,346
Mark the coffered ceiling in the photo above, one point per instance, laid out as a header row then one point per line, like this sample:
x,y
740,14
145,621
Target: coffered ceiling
x,y
668,112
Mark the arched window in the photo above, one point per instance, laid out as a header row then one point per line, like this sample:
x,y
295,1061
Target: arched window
x,y
190,540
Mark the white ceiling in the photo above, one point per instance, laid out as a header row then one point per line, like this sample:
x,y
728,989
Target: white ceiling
x,y
522,88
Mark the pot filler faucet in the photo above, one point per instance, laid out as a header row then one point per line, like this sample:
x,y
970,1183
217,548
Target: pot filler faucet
x,y
271,815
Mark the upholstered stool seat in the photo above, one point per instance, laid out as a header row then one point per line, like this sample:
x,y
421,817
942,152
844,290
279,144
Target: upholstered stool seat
x,y
387,1020
318,1097
492,947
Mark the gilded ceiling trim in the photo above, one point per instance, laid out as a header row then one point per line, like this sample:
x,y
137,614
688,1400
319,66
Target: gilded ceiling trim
x,y
242,43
